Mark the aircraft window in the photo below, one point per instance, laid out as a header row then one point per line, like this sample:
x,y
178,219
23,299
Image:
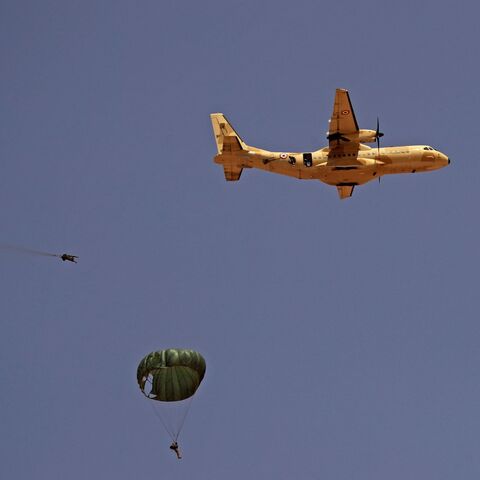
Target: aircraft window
x,y
425,148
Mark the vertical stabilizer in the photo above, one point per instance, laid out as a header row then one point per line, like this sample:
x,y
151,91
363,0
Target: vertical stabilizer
x,y
225,135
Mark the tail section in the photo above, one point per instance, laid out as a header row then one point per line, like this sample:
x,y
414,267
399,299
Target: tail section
x,y
226,137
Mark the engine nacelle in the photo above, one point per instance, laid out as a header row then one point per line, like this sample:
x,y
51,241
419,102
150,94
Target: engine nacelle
x,y
367,136
363,136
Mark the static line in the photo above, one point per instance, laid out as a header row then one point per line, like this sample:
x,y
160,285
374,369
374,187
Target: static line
x,y
25,250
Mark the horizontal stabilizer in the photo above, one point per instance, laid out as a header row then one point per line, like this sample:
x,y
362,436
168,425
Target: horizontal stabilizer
x,y
232,173
345,191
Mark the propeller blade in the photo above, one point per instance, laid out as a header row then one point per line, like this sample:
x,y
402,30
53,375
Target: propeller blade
x,y
378,133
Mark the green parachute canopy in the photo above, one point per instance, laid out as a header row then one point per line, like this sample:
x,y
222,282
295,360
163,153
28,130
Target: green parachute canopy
x,y
172,375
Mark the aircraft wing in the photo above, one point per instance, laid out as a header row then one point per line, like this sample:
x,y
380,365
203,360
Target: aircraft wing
x,y
342,121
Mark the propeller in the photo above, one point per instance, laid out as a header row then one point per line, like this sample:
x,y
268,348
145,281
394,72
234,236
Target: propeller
x,y
378,136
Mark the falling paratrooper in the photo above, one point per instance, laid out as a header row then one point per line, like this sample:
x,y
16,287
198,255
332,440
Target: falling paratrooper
x,y
171,377
68,257
30,251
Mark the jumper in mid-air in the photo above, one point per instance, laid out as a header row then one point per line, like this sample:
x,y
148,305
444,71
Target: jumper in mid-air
x,y
70,258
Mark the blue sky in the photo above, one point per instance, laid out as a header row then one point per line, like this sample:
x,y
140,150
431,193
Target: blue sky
x,y
341,338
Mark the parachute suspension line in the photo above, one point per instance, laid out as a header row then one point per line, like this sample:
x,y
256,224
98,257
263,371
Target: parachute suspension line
x,y
168,428
170,432
182,421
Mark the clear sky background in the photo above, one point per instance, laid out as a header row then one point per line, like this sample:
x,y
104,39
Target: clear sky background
x,y
341,337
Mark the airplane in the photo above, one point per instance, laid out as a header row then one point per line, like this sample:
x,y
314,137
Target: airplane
x,y
345,163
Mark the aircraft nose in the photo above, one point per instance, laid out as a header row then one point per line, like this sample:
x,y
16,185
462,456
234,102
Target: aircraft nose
x,y
444,158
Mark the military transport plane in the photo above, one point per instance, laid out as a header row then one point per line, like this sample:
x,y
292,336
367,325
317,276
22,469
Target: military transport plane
x,y
345,163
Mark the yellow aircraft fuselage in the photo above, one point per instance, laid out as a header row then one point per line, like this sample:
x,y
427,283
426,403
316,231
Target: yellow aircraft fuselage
x,y
340,167
345,163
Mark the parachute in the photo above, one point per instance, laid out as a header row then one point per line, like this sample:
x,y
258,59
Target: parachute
x,y
170,378
174,374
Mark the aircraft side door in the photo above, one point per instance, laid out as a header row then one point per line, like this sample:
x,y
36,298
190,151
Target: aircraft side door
x,y
307,159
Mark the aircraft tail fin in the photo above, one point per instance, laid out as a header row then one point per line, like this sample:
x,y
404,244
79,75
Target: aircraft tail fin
x,y
226,138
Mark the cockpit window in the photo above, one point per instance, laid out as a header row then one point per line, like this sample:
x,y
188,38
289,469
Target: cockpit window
x,y
428,148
